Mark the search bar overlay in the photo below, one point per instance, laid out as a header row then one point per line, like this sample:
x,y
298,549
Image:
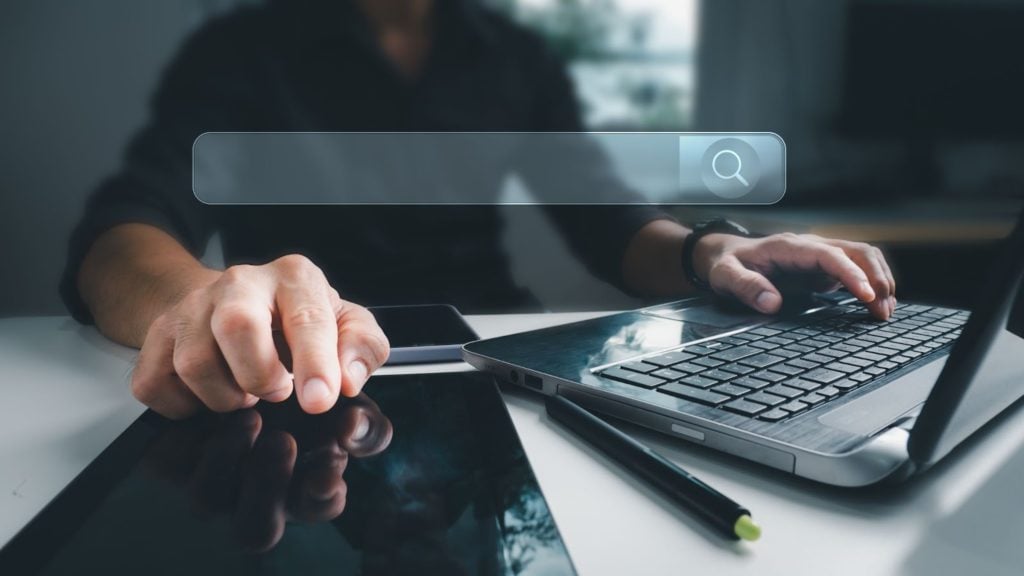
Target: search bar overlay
x,y
732,167
610,168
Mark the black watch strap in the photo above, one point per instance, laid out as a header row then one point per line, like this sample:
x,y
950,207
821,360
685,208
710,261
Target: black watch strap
x,y
700,230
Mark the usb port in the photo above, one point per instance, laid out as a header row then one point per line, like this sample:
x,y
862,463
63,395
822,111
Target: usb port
x,y
534,382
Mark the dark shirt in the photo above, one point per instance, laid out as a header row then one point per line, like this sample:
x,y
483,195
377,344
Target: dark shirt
x,y
313,65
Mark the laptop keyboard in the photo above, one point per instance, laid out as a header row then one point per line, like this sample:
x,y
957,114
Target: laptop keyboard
x,y
782,369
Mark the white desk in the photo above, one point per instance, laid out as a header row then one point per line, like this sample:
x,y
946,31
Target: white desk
x,y
65,396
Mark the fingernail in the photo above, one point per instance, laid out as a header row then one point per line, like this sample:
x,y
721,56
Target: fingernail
x,y
362,426
315,391
357,372
865,286
766,301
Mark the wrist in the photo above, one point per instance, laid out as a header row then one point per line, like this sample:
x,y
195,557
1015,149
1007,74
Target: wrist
x,y
697,264
706,251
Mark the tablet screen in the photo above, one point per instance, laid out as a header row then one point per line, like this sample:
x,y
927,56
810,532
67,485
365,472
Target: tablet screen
x,y
418,475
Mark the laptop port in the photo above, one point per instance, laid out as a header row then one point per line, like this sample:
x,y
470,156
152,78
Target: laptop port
x,y
534,382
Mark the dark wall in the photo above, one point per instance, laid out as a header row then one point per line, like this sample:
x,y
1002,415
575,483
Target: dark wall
x,y
76,76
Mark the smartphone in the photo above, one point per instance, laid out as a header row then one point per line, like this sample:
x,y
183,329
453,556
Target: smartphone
x,y
423,333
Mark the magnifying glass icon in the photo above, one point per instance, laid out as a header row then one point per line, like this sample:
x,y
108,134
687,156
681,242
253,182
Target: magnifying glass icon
x,y
735,174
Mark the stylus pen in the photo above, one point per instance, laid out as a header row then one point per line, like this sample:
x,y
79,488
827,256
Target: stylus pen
x,y
725,516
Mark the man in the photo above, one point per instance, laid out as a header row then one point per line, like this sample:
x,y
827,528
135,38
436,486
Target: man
x,y
207,336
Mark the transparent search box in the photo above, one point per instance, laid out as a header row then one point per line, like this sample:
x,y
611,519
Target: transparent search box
x,y
458,168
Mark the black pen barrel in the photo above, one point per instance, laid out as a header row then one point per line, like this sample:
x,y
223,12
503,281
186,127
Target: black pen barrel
x,y
704,501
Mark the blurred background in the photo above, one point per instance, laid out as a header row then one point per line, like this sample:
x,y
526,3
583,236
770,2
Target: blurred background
x,y
903,120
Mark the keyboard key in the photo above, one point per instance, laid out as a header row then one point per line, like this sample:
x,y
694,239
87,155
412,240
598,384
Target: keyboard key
x,y
668,374
819,358
762,360
738,369
765,398
803,364
764,345
800,348
641,367
694,394
707,362
829,391
844,368
769,376
730,390
634,378
823,375
784,391
733,354
773,415
751,382
882,351
785,353
845,384
846,347
887,365
689,367
869,356
786,369
860,362
860,377
719,375
763,331
813,398
794,406
745,407
699,381
807,385
700,350
669,358
874,370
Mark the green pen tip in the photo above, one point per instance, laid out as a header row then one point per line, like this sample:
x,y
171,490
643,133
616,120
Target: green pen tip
x,y
746,528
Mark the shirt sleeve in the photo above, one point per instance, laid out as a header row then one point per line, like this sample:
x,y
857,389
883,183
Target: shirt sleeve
x,y
598,234
201,90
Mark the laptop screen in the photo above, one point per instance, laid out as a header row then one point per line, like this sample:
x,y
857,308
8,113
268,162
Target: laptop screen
x,y
984,374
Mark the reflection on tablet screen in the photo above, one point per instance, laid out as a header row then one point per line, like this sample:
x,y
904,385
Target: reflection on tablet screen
x,y
419,475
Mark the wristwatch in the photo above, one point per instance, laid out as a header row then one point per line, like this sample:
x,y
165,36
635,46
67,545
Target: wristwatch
x,y
700,230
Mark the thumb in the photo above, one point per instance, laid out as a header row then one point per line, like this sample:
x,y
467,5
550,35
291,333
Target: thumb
x,y
729,276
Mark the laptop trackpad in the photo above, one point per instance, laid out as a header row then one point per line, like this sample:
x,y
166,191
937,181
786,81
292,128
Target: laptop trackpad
x,y
876,410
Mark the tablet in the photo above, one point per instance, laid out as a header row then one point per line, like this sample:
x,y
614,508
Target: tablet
x,y
417,475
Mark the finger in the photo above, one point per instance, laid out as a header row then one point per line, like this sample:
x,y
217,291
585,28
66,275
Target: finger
x,y
729,276
364,430
215,478
867,257
310,328
200,365
241,324
154,382
792,252
260,515
322,490
892,280
362,346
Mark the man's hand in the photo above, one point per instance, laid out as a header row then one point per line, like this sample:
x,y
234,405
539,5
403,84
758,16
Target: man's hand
x,y
216,347
745,268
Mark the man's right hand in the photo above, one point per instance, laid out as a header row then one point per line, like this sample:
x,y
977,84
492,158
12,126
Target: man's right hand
x,y
216,346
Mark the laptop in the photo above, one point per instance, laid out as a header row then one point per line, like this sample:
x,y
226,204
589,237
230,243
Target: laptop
x,y
824,392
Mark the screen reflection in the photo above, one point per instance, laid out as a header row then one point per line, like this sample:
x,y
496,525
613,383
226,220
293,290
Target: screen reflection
x,y
419,475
